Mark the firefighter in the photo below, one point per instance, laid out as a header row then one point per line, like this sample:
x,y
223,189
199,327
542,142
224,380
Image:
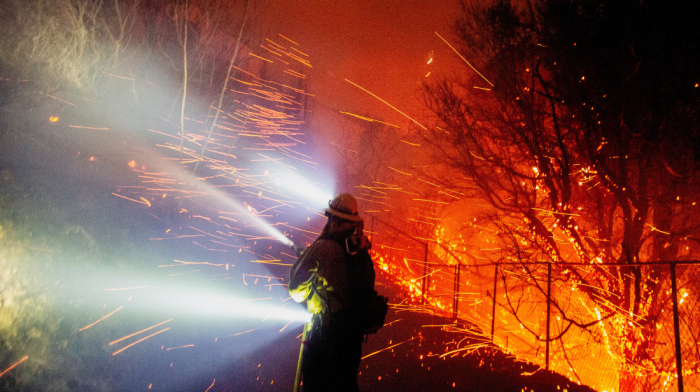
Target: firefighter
x,y
334,275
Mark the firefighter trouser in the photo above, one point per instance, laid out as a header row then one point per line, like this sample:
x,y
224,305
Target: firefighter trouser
x,y
332,355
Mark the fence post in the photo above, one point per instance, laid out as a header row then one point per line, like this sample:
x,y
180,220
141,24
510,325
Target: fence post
x,y
425,275
676,327
455,305
493,311
549,300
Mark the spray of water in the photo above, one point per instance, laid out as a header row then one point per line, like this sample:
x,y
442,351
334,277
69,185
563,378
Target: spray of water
x,y
313,194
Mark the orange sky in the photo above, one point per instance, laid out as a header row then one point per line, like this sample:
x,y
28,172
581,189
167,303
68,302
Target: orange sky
x,y
381,45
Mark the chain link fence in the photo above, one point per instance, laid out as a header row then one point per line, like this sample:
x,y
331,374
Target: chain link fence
x,y
688,298
526,317
592,356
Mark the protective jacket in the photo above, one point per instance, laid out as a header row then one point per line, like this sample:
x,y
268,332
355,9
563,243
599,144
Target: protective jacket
x,y
335,283
329,278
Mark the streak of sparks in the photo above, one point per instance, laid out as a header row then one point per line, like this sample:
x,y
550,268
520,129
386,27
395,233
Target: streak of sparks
x,y
180,236
93,128
117,76
33,248
471,347
136,333
14,365
387,103
58,99
399,171
390,347
193,263
139,341
261,58
370,119
109,314
657,230
272,262
127,198
175,348
292,43
465,60
285,327
431,201
241,333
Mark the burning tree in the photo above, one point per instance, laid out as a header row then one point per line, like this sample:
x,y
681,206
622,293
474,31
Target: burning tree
x,y
579,128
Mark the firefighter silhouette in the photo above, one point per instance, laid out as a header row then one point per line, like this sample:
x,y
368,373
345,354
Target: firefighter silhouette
x,y
335,275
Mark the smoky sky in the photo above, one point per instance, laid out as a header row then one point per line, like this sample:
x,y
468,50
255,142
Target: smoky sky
x,y
383,46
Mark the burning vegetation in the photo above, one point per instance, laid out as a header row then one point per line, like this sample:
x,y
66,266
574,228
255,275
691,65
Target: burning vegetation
x,y
539,218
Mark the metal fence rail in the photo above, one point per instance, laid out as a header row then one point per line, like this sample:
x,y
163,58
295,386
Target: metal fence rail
x,y
520,320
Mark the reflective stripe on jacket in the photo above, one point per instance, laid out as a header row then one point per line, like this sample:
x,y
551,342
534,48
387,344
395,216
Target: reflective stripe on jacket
x,y
323,265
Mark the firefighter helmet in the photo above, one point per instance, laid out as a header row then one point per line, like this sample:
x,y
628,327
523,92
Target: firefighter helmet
x,y
344,206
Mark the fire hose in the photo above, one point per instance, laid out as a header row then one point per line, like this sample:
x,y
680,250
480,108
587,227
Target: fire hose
x,y
305,335
307,329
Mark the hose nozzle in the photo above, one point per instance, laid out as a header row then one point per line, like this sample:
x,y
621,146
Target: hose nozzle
x,y
297,250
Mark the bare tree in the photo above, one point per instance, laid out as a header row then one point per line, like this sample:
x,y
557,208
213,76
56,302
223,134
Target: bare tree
x,y
584,148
